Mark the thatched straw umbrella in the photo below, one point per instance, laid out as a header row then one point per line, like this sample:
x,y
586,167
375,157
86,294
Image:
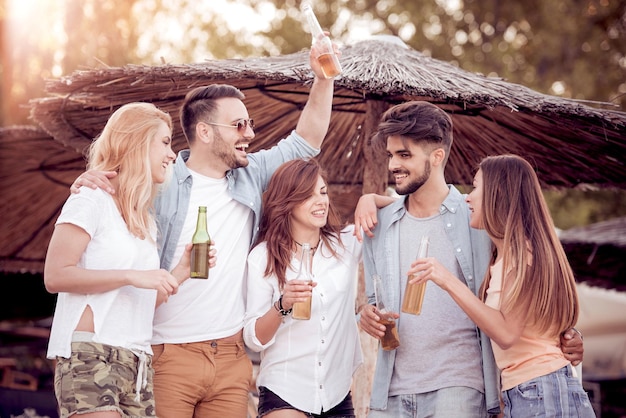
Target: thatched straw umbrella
x,y
569,143
35,172
597,253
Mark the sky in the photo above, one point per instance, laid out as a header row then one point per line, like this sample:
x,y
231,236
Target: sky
x,y
170,29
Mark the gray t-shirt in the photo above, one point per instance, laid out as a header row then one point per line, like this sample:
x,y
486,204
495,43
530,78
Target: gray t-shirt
x,y
440,347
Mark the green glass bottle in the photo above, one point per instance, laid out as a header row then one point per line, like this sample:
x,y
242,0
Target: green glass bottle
x,y
201,242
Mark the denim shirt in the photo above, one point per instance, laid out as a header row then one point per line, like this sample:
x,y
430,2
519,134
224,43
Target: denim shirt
x,y
380,256
245,184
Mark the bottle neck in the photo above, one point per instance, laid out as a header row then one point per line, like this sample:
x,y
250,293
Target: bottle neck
x,y
314,25
201,234
305,262
201,223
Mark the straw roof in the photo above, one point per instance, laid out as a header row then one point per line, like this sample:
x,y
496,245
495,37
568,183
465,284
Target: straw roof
x,y
570,143
35,174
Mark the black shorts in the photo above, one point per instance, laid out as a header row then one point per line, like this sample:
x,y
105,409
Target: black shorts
x,y
269,401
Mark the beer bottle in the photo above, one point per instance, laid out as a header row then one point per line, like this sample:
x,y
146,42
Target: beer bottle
x,y
391,339
302,310
199,253
327,58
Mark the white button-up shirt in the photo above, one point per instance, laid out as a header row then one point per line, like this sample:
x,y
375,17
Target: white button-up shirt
x,y
309,363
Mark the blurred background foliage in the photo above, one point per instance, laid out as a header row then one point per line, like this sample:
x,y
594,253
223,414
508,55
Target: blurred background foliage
x,y
567,48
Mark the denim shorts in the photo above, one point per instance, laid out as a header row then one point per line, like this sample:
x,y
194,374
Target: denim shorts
x,y
558,394
269,401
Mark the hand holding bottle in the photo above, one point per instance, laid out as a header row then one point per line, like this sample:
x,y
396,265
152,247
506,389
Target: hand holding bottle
x,y
297,291
390,340
414,292
323,50
302,309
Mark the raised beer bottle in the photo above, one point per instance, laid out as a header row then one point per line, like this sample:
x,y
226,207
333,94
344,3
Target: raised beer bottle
x,y
302,310
327,58
199,253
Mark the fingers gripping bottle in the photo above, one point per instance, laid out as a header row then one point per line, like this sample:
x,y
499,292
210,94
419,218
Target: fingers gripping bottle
x,y
414,293
391,339
327,58
302,310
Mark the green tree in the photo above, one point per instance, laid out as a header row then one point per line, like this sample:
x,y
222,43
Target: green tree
x,y
573,48
42,40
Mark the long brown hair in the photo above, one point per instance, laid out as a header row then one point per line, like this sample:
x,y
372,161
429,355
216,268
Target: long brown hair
x,y
515,212
292,183
124,146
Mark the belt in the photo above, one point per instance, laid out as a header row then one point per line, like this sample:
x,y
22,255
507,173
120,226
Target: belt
x,y
235,338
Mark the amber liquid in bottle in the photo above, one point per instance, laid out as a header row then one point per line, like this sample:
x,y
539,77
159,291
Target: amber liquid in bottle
x,y
327,58
391,339
302,310
414,293
330,65
201,242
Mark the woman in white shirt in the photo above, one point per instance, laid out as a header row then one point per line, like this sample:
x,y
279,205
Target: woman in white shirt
x,y
103,262
306,365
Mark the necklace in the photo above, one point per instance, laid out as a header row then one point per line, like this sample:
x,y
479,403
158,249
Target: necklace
x,y
312,248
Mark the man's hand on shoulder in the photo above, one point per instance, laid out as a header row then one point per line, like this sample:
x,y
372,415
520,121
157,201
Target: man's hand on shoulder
x,y
94,179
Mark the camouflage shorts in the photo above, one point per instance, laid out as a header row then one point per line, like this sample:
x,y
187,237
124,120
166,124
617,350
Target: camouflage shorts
x,y
100,377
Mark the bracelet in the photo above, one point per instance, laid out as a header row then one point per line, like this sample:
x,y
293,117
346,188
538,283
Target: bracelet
x,y
278,305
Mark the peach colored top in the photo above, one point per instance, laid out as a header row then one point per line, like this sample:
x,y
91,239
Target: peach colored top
x,y
532,355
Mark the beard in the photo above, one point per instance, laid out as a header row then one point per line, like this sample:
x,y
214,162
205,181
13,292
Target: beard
x,y
225,152
415,184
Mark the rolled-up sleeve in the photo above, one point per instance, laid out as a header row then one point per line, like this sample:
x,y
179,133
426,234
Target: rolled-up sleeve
x,y
261,295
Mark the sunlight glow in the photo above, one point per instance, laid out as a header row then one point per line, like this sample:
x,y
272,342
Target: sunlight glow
x,y
558,88
33,25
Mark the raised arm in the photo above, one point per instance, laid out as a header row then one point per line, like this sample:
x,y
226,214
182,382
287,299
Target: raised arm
x,y
315,118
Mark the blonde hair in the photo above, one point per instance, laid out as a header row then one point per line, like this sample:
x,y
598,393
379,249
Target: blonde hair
x,y
124,147
515,212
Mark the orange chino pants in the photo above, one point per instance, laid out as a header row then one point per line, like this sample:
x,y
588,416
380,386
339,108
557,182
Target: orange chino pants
x,y
202,380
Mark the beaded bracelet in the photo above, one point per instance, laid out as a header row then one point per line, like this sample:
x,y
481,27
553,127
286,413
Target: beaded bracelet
x,y
278,305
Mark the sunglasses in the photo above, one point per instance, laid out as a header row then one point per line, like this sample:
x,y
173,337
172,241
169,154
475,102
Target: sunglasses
x,y
241,125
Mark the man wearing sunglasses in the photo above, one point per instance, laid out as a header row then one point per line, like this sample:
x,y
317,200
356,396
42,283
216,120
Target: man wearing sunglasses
x,y
201,368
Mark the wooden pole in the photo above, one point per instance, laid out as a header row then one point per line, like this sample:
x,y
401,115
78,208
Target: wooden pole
x,y
374,181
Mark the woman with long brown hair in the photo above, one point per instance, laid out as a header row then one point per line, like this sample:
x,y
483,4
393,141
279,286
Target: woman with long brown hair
x,y
306,365
528,296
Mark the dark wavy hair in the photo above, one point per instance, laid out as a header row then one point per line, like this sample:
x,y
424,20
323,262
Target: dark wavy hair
x,y
418,121
291,184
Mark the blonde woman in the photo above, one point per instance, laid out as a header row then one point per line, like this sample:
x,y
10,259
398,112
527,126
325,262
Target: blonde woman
x,y
103,262
528,296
